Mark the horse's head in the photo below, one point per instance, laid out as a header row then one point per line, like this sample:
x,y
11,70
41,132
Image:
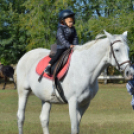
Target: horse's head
x,y
119,53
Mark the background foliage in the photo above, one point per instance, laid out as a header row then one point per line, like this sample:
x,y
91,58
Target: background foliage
x,y
29,24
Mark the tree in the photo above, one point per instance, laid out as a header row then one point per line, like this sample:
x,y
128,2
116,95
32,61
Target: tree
x,y
29,24
11,48
40,22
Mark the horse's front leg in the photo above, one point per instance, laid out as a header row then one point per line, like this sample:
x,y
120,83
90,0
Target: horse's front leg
x,y
80,111
73,116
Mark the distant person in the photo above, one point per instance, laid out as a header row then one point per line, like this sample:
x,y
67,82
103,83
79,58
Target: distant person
x,y
130,89
66,36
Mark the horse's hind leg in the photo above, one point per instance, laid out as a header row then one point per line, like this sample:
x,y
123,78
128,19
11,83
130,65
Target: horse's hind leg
x,y
5,83
14,83
44,116
23,95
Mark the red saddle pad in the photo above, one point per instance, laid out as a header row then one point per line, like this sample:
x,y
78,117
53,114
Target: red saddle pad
x,y
44,62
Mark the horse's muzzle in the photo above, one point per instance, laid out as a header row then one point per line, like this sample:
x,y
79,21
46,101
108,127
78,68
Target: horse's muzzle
x,y
129,72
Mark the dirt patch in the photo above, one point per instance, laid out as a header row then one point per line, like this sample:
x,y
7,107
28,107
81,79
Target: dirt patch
x,y
9,84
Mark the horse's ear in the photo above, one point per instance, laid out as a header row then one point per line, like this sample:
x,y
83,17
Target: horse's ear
x,y
109,36
125,34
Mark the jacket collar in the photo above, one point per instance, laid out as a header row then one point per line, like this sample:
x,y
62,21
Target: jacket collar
x,y
63,25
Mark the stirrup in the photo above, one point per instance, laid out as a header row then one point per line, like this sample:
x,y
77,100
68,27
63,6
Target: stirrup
x,y
48,70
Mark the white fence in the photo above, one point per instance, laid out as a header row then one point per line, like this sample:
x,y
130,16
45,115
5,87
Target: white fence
x,y
106,77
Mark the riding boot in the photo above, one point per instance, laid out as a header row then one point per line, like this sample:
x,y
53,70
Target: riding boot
x,y
48,70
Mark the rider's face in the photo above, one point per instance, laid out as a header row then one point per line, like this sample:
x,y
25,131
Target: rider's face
x,y
69,21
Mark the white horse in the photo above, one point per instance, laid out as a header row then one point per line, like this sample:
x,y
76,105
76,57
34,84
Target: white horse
x,y
80,84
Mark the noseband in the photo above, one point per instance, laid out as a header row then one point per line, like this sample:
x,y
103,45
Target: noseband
x,y
119,65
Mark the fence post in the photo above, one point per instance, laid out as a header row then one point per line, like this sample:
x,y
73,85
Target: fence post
x,y
105,76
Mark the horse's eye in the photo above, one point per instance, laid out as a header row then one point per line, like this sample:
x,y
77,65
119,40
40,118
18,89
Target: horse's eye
x,y
117,50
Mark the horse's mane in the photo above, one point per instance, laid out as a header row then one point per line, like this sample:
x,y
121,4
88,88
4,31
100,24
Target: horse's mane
x,y
88,44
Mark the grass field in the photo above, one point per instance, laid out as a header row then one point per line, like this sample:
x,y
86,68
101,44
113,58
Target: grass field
x,y
110,112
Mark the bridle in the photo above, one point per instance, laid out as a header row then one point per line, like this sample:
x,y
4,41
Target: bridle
x,y
119,65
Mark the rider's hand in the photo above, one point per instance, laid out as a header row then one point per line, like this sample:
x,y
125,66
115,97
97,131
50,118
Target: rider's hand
x,y
71,46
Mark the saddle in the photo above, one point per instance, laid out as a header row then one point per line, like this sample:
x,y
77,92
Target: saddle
x,y
61,62
60,67
55,69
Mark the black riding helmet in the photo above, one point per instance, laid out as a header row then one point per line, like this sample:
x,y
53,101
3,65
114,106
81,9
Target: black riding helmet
x,y
66,13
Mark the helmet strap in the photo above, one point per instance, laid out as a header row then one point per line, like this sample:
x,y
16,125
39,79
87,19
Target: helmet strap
x,y
64,22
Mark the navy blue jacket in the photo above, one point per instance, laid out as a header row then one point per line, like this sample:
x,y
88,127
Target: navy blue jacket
x,y
66,36
130,85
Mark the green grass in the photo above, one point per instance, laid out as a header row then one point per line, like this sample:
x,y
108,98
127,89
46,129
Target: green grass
x,y
110,112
